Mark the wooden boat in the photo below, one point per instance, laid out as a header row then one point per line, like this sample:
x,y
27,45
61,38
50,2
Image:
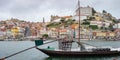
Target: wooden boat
x,y
79,53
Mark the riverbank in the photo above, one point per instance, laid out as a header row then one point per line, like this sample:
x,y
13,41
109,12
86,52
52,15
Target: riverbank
x,y
33,39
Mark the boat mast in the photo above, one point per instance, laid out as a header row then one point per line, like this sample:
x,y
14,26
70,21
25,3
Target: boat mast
x,y
79,21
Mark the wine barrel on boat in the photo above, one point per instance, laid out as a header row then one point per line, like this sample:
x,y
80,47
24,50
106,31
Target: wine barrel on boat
x,y
101,49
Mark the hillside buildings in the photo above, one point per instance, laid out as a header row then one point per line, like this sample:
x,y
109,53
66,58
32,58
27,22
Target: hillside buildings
x,y
90,19
93,23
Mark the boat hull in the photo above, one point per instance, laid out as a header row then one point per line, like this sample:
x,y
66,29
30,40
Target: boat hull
x,y
79,53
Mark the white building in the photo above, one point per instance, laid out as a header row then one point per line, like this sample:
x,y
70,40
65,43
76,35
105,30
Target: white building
x,y
81,17
100,23
116,25
85,11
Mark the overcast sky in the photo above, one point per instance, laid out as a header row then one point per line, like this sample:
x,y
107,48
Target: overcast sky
x,y
35,10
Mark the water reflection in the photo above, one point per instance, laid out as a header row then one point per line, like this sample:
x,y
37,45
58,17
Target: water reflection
x,y
85,58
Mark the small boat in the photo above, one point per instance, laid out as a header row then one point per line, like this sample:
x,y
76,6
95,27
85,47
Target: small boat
x,y
95,52
65,48
83,50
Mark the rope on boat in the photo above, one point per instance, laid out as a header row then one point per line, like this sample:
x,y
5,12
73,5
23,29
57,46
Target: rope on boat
x,y
89,44
24,50
85,43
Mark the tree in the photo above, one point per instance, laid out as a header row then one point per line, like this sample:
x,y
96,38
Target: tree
x,y
45,36
104,11
94,27
62,20
69,22
86,23
111,27
55,24
115,21
91,18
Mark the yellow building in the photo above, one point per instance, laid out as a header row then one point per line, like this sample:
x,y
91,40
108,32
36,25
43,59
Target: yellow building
x,y
101,34
15,31
112,34
98,18
104,34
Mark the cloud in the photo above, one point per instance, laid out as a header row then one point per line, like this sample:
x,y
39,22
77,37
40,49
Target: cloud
x,y
111,6
35,10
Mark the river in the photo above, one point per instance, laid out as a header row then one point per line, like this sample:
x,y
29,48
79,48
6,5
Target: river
x,y
10,47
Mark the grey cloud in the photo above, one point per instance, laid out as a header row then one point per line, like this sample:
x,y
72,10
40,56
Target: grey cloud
x,y
25,6
111,6
36,9
4,3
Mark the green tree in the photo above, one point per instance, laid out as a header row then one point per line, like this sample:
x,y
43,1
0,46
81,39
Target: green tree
x,y
70,22
45,36
111,27
55,24
86,23
94,27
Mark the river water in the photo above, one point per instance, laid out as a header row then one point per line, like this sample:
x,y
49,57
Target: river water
x,y
10,47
